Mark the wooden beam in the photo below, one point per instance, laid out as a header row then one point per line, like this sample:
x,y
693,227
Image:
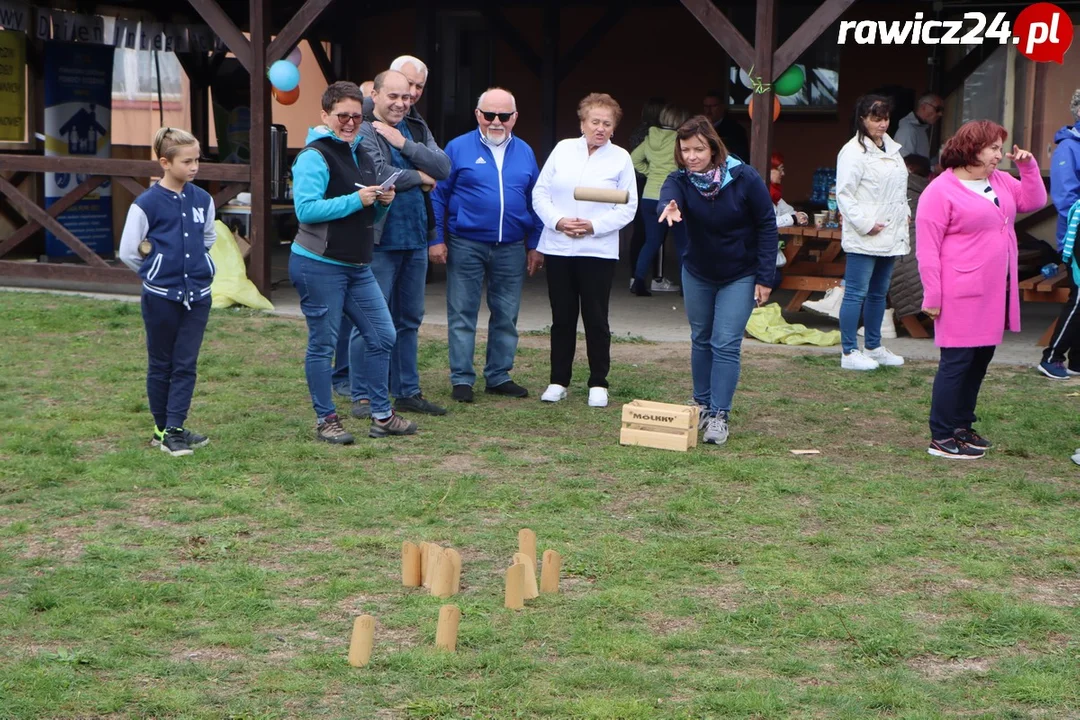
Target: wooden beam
x,y
259,11
323,60
132,185
730,39
954,77
589,40
77,193
811,29
227,193
761,125
50,223
295,29
227,172
549,79
512,36
223,25
69,272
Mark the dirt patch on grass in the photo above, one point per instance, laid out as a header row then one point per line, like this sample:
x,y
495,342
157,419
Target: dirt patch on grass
x,y
934,667
61,542
206,655
1055,592
665,625
461,464
725,595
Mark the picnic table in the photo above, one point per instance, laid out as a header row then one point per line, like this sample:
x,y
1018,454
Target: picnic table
x,y
1054,289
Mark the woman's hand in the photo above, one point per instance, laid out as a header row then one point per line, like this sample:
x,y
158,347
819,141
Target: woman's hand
x,y
761,294
1018,156
878,227
671,214
573,227
386,196
368,194
801,218
932,313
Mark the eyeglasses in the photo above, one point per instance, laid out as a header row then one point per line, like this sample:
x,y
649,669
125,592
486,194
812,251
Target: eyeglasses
x,y
346,118
503,117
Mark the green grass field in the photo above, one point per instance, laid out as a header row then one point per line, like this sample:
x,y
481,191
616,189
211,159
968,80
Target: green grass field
x,y
872,581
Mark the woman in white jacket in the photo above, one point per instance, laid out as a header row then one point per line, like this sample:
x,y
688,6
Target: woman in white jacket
x,y
871,194
580,242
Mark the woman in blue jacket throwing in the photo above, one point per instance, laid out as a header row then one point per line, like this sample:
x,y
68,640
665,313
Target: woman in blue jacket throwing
x,y
728,264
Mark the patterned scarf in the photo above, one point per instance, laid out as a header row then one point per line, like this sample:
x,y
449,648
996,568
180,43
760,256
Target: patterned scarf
x,y
708,182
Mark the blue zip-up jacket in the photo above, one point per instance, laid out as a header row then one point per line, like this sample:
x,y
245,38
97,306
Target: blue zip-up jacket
x,y
1068,250
480,203
1065,176
180,228
732,235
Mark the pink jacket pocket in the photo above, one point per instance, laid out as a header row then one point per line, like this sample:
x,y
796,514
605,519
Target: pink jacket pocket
x,y
968,282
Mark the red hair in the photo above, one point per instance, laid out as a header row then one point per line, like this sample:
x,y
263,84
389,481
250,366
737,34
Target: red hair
x,y
963,148
776,161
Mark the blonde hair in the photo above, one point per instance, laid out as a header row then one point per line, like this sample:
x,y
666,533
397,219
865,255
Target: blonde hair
x,y
599,100
168,140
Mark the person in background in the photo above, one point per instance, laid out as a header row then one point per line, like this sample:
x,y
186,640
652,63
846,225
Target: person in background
x,y
729,264
968,263
416,72
786,215
871,194
731,133
913,130
580,242
905,287
650,117
655,159
1065,191
366,87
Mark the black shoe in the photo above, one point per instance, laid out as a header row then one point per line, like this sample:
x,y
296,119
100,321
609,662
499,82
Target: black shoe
x,y
173,443
640,287
954,450
417,403
972,438
393,425
361,409
509,389
193,439
330,430
462,393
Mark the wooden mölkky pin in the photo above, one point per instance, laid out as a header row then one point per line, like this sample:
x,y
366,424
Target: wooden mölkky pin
x,y
530,590
442,580
410,565
515,586
446,633
549,575
363,637
433,553
527,546
424,570
455,559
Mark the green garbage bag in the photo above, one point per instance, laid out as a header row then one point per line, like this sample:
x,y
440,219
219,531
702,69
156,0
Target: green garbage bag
x,y
767,324
231,285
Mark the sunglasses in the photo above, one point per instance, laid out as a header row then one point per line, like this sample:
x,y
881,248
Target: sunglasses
x,y
346,118
490,116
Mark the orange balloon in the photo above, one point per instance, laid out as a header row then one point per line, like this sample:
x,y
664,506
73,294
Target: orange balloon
x,y
775,108
286,98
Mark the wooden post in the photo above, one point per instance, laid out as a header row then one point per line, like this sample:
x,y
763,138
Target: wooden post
x,y
410,565
549,578
761,125
446,633
530,590
363,638
259,13
515,586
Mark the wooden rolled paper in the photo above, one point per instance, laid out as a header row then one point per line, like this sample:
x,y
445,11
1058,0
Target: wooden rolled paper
x,y
530,590
602,195
515,586
549,577
410,565
455,560
446,634
527,546
363,637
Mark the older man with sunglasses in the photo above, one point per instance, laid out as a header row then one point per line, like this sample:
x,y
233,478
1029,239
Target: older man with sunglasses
x,y
485,226
913,130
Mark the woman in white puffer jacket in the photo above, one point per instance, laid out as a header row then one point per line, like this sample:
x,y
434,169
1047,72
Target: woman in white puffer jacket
x,y
871,194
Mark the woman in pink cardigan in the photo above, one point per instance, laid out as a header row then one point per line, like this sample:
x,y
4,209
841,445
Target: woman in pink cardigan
x,y
967,261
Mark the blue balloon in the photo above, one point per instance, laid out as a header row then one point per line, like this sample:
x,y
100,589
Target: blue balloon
x,y
284,75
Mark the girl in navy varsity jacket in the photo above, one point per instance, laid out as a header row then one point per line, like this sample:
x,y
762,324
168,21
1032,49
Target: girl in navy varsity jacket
x,y
166,240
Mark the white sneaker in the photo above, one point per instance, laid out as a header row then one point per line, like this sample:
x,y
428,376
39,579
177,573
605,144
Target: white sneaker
x,y
888,327
883,356
554,393
828,305
1076,457
597,397
664,285
855,360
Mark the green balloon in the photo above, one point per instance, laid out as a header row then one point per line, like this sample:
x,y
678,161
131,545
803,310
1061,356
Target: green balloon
x,y
790,82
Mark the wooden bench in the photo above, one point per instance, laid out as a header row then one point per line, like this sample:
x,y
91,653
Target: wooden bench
x,y
1042,289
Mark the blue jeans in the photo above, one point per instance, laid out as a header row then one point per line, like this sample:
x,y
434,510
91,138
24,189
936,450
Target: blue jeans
x,y
340,378
467,264
326,291
655,233
718,315
866,283
402,275
174,335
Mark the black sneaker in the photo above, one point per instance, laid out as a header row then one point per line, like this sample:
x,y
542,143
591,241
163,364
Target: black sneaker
x,y
173,443
462,393
393,425
972,438
417,403
509,389
954,450
640,287
330,430
361,409
193,439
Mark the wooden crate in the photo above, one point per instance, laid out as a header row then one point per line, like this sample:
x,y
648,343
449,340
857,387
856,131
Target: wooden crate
x,y
659,425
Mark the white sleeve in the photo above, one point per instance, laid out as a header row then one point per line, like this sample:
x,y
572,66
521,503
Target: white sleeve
x,y
135,228
209,231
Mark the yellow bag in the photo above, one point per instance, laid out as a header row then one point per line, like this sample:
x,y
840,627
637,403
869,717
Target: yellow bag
x,y
231,284
767,324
